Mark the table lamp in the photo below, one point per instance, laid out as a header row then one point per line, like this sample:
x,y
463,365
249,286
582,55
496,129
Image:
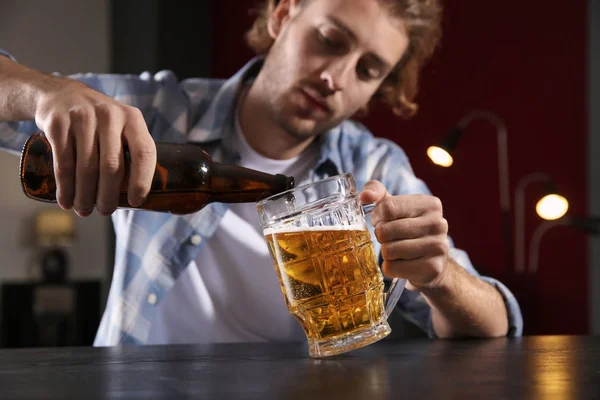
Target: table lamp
x,y
54,231
442,155
551,206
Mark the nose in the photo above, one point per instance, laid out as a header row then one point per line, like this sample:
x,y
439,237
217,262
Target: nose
x,y
336,74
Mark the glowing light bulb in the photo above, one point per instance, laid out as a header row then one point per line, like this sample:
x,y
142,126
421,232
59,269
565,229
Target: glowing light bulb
x,y
439,156
552,206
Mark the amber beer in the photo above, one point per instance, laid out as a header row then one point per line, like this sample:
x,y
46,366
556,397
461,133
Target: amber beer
x,y
185,179
329,277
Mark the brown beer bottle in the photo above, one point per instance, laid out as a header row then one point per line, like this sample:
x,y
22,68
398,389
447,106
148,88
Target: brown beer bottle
x,y
185,180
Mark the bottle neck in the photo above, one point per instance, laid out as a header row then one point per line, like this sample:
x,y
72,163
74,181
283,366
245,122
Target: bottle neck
x,y
235,184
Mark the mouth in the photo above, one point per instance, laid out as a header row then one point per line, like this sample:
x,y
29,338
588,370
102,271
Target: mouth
x,y
316,101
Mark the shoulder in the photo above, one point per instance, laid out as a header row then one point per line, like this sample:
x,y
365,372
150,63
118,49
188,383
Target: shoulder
x,y
199,88
357,139
370,157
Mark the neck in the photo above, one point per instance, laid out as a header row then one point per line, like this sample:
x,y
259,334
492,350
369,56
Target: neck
x,y
262,133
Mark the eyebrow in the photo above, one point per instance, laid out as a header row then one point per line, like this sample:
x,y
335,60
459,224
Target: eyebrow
x,y
342,26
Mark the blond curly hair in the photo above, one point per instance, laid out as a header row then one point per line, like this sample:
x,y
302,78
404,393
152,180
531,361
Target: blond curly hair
x,y
422,19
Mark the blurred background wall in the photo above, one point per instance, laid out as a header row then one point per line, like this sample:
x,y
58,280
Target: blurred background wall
x,y
534,64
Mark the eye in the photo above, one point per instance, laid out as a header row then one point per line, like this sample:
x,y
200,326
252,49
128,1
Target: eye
x,y
329,40
367,72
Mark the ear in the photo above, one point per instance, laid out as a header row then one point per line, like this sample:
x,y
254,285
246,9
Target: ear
x,y
283,11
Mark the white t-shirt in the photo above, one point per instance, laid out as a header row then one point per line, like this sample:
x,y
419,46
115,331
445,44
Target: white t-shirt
x,y
231,293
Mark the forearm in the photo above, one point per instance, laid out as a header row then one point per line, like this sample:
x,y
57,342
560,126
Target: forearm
x,y
463,305
20,88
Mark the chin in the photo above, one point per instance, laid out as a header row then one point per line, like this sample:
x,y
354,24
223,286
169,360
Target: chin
x,y
302,128
301,124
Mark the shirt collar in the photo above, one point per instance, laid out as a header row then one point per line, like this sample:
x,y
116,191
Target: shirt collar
x,y
217,124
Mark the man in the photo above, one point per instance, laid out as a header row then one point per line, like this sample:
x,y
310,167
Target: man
x,y
208,277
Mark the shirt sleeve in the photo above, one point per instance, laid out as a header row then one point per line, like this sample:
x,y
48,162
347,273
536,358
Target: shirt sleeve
x,y
394,171
168,106
7,54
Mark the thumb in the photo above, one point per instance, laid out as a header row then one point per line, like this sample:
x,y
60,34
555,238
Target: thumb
x,y
372,192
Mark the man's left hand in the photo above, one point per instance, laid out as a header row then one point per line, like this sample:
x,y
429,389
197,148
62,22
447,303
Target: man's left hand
x,y
413,235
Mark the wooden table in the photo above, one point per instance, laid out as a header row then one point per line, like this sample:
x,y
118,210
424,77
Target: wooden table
x,y
550,367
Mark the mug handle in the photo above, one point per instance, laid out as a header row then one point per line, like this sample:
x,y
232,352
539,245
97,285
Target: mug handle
x,y
392,295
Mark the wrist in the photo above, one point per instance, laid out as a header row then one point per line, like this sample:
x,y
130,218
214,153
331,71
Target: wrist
x,y
443,282
42,87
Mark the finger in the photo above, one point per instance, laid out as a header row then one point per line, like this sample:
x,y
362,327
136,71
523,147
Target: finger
x,y
108,131
418,270
83,129
405,206
410,228
142,150
57,133
412,249
372,192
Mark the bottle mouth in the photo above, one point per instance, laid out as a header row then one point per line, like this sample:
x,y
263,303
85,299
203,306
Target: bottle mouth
x,y
290,183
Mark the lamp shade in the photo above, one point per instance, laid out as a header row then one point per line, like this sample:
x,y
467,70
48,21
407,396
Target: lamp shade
x,y
54,227
441,155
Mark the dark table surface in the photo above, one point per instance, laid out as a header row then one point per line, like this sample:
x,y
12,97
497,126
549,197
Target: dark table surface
x,y
545,367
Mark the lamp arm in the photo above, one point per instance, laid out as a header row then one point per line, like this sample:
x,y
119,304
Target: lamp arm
x,y
503,174
536,238
502,150
520,216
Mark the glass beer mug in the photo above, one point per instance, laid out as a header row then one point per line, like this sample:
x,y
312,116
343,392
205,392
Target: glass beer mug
x,y
327,268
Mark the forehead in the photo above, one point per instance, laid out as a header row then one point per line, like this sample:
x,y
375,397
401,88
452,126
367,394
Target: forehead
x,y
371,21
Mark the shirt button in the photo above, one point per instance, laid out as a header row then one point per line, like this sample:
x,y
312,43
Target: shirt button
x,y
196,240
152,298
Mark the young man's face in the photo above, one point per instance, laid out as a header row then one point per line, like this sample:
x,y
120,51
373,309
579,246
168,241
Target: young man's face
x,y
328,59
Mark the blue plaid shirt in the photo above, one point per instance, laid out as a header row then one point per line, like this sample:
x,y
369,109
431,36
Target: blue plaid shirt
x,y
153,249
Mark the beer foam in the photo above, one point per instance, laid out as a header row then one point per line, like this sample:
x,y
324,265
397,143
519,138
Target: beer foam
x,y
294,229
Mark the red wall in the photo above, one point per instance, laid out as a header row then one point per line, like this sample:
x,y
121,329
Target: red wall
x,y
526,62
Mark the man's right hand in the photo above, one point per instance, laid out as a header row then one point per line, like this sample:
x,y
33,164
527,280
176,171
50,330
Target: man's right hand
x,y
86,130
